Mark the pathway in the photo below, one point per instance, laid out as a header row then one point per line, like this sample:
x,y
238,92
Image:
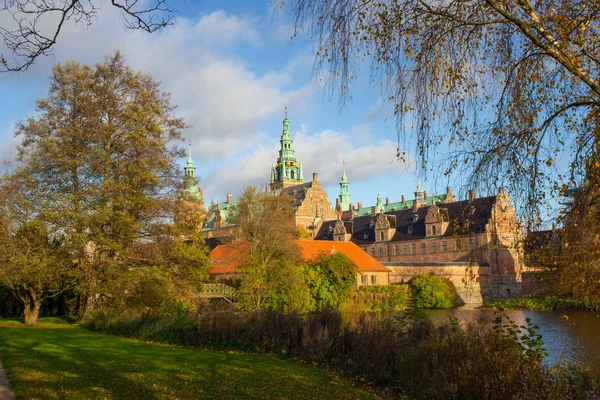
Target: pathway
x,y
5,391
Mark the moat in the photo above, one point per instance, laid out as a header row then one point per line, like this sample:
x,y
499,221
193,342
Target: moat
x,y
572,336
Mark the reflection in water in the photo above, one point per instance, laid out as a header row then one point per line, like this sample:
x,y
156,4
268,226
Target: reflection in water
x,y
572,336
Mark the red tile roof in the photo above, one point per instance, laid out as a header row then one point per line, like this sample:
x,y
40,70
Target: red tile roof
x,y
226,259
363,261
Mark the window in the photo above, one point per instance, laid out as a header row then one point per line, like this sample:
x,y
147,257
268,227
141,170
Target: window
x,y
433,247
413,248
444,245
311,209
373,252
410,230
433,230
364,279
423,248
405,249
472,244
380,235
397,250
381,252
389,249
374,279
457,245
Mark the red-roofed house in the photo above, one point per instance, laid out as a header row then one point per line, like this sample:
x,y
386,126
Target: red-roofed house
x,y
226,260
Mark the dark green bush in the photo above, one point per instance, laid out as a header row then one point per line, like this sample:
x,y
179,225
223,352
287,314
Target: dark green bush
x,y
538,303
430,291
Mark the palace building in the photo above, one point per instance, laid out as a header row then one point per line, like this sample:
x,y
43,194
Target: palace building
x,y
476,243
309,199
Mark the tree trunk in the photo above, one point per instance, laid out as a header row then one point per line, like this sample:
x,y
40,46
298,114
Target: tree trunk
x,y
83,307
31,310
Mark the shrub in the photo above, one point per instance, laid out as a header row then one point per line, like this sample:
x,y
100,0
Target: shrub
x,y
430,291
380,298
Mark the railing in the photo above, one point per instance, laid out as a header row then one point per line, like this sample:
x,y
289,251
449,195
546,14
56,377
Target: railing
x,y
219,291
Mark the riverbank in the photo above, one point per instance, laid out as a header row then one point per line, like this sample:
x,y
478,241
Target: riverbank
x,y
551,303
62,361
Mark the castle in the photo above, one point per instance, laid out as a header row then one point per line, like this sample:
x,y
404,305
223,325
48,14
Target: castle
x,y
476,243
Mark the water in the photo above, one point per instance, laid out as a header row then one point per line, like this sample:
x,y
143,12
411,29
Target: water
x,y
572,336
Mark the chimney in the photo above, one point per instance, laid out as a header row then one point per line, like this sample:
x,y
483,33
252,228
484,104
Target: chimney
x,y
425,195
387,201
200,191
359,206
373,210
416,204
315,177
351,211
471,195
229,197
338,204
403,199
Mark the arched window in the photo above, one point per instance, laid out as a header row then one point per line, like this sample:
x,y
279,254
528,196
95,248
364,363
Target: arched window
x,y
380,235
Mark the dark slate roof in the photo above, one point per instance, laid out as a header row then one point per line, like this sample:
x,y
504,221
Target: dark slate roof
x,y
465,217
212,243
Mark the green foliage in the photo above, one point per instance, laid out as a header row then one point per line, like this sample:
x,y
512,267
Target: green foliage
x,y
380,298
430,291
527,336
330,279
538,303
270,261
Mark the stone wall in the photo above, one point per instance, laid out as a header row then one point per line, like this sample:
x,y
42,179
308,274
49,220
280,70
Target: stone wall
x,y
470,281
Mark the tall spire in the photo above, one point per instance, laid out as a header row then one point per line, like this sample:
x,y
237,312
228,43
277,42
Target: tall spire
x,y
189,180
288,171
380,207
344,189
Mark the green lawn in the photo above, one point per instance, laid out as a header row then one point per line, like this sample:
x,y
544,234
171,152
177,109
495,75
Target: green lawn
x,y
61,361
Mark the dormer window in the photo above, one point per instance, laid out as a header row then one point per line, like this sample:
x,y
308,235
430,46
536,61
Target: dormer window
x,y
415,218
472,210
410,230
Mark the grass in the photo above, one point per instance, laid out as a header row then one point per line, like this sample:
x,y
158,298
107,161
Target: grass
x,y
62,361
537,304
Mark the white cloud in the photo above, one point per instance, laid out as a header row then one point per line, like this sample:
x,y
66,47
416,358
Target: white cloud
x,y
320,152
222,99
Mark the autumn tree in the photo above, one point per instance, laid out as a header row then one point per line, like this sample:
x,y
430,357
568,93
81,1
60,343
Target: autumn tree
x,y
35,264
30,28
509,89
271,266
102,151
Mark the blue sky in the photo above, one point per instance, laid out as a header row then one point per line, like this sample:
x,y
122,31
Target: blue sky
x,y
230,66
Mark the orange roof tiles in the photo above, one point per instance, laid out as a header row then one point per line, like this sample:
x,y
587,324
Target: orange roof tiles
x,y
363,261
227,259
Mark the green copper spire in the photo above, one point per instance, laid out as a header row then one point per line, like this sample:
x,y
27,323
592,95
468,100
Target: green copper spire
x,y
344,190
287,169
380,207
190,192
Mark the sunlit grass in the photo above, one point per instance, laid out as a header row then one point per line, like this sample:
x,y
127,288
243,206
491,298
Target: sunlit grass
x,y
67,362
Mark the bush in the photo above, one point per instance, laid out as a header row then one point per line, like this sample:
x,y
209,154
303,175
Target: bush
x,y
430,291
380,298
411,357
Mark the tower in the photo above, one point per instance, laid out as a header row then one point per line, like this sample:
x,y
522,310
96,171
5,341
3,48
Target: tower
x,y
189,210
190,192
287,171
344,190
